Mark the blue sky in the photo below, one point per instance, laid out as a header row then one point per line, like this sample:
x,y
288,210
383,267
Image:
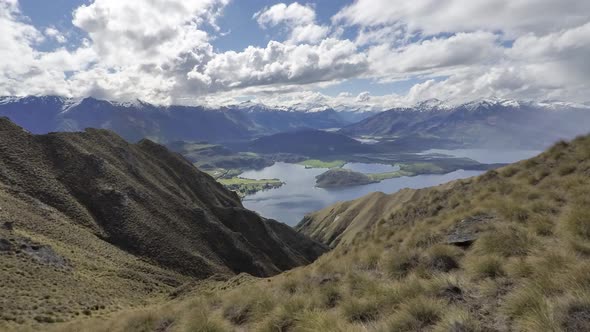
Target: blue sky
x,y
238,31
378,53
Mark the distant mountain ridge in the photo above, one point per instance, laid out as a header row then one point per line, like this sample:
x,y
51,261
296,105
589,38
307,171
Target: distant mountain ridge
x,y
490,122
137,120
309,142
495,123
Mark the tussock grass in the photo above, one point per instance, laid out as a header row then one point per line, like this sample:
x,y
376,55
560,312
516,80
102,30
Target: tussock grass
x,y
399,264
416,315
360,310
505,241
489,266
242,306
526,267
458,320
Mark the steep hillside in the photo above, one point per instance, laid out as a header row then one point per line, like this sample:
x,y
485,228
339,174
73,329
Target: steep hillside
x,y
505,251
341,222
483,123
311,143
89,222
212,156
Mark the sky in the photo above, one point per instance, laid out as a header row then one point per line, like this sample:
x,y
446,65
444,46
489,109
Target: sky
x,y
383,53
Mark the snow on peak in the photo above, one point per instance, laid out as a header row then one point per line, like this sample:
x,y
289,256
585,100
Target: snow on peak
x,y
431,105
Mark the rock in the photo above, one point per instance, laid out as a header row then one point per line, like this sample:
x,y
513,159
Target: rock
x,y
444,263
465,232
452,293
44,254
8,225
5,245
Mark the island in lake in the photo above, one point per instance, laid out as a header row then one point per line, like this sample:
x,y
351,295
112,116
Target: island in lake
x,y
340,177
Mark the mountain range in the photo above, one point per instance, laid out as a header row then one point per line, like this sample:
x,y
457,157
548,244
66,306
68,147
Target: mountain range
x,y
481,123
137,120
495,123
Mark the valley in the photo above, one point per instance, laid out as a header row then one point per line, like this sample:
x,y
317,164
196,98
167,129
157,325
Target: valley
x,y
294,166
197,218
502,251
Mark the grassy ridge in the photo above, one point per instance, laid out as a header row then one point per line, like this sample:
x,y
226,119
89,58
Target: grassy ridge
x,y
504,251
91,224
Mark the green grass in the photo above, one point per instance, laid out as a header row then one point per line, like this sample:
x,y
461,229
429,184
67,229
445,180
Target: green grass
x,y
411,169
389,175
246,187
315,163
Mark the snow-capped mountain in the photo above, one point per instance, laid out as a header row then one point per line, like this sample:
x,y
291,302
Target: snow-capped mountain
x,y
137,119
484,122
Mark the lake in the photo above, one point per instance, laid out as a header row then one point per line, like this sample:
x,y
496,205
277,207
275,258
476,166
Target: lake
x,y
299,196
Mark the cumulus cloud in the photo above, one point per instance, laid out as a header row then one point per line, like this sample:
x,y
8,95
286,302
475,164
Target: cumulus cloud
x,y
433,16
299,19
147,32
139,49
476,49
53,33
161,51
363,97
280,63
24,69
435,55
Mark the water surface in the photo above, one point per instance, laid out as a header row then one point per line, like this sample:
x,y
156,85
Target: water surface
x,y
299,195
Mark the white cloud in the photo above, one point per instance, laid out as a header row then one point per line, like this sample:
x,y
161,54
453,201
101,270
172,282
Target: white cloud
x,y
55,34
161,51
435,55
154,32
502,48
299,19
434,16
294,13
283,64
363,97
